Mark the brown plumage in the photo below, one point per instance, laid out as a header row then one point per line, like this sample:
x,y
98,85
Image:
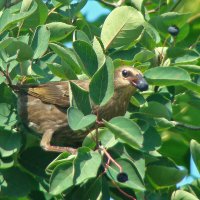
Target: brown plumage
x,y
43,108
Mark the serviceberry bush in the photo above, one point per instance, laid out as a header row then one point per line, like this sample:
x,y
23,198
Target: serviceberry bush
x,y
142,155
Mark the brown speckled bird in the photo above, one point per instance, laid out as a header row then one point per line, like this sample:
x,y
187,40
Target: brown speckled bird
x,y
42,108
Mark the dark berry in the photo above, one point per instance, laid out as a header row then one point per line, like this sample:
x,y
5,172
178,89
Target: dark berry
x,y
173,30
122,177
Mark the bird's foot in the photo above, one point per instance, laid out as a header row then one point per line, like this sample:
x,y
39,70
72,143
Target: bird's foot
x,y
60,149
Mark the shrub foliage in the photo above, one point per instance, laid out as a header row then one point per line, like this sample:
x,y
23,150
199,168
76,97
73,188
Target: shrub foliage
x,y
140,153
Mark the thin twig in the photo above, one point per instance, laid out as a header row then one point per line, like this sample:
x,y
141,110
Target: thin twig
x,y
110,157
122,191
161,53
52,10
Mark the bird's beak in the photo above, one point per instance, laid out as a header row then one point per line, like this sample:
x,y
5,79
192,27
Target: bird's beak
x,y
140,83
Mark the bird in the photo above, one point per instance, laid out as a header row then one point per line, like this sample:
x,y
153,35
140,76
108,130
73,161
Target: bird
x,y
42,108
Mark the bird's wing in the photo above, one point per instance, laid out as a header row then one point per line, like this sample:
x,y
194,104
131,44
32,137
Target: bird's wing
x,y
56,93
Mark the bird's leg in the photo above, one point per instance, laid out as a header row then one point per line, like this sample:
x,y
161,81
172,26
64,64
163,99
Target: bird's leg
x,y
46,140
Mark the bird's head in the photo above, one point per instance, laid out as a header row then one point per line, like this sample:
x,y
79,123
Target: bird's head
x,y
130,78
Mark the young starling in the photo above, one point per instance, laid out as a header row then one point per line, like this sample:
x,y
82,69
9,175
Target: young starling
x,y
42,108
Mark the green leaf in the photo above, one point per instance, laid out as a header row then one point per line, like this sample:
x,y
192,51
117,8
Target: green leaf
x,y
6,42
20,50
186,108
78,121
40,41
11,178
137,158
40,162
74,7
2,4
7,115
62,158
190,68
97,189
6,162
57,69
98,48
87,55
193,187
81,98
81,36
164,173
192,86
134,180
67,55
106,137
150,37
10,143
155,109
101,87
126,130
2,79
59,30
167,76
163,21
86,165
123,31
25,5
181,56
143,56
152,140
38,18
152,32
9,18
163,124
183,195
63,71
137,99
62,178
195,151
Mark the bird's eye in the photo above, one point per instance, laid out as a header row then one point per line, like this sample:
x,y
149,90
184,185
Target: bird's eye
x,y
125,73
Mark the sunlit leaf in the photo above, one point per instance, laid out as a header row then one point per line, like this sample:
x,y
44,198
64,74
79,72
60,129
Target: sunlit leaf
x,y
124,30
78,121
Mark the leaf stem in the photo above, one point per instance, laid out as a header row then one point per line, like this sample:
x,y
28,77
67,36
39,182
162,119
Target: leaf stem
x,y
110,157
122,191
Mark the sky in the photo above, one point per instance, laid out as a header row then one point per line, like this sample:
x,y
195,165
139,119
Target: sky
x,y
92,10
